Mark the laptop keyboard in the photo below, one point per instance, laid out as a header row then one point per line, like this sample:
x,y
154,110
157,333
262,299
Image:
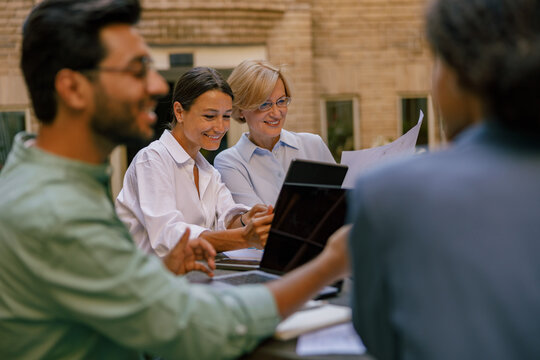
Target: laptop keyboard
x,y
246,279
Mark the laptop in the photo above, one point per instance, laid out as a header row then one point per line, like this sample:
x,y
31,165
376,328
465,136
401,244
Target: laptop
x,y
300,172
304,218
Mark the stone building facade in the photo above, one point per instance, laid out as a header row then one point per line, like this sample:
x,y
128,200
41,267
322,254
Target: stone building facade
x,y
367,55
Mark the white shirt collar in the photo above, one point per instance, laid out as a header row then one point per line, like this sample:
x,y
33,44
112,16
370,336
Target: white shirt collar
x,y
178,153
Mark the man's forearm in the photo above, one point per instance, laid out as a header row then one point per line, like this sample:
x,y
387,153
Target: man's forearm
x,y
300,285
294,289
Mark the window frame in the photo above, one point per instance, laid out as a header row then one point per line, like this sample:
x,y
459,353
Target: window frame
x,y
433,139
356,116
19,109
28,126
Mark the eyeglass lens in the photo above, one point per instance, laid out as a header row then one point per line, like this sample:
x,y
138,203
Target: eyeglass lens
x,y
281,102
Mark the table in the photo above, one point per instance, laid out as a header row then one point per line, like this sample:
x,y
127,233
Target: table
x,y
272,349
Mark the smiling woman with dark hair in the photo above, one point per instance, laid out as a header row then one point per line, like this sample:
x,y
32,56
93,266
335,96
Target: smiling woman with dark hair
x,y
169,186
445,246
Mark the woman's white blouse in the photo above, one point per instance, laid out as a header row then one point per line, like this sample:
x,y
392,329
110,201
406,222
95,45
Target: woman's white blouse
x,y
159,199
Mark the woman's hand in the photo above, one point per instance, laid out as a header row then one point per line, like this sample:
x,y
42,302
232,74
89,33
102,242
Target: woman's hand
x,y
256,211
258,220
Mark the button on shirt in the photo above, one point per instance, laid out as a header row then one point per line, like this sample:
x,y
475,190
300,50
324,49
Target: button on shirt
x,y
73,285
254,175
159,199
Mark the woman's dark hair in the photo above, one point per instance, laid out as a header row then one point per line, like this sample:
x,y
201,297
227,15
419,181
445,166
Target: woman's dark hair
x,y
494,47
60,34
193,84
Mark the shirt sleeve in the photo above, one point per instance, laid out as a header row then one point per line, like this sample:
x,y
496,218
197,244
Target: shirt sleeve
x,y
94,275
370,294
237,179
325,154
163,221
226,208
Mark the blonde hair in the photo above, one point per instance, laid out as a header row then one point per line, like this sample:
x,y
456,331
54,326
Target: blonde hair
x,y
252,82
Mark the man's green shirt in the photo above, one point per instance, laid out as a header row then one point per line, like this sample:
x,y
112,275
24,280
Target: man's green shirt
x,y
74,286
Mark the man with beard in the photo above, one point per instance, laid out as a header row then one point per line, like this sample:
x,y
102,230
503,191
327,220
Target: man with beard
x,y
72,282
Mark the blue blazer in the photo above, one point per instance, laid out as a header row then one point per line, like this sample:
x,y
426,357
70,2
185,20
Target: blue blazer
x,y
445,251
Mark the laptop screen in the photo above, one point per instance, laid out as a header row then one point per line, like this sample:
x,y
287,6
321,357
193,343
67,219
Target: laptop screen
x,y
305,216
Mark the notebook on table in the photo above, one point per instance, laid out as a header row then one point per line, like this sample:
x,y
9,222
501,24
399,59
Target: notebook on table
x,y
305,217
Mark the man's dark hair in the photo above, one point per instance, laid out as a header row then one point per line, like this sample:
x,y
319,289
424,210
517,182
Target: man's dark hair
x,y
494,46
60,34
194,83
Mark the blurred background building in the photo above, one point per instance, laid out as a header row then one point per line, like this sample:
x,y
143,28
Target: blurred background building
x,y
360,69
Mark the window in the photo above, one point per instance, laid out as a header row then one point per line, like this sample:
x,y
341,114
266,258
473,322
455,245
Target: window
x,y
11,122
410,111
339,125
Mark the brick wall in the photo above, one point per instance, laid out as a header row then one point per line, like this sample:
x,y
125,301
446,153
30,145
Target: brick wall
x,y
290,43
12,14
374,49
218,22
13,94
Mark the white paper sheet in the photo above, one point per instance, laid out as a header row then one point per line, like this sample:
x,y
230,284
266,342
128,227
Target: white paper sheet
x,y
245,254
340,339
316,318
361,160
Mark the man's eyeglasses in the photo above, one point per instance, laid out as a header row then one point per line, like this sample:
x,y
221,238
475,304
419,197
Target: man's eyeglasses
x,y
281,102
139,68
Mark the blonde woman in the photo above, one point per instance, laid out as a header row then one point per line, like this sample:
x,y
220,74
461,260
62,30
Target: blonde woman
x,y
255,167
